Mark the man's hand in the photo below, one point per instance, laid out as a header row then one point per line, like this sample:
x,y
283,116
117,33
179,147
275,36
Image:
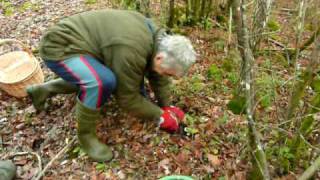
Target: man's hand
x,y
169,122
177,111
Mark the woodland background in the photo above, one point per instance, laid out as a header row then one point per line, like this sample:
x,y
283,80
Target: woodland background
x,y
252,98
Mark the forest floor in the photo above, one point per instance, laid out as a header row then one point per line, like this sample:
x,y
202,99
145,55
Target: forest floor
x,y
216,148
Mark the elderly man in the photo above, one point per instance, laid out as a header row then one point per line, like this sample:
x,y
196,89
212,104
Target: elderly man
x,y
98,53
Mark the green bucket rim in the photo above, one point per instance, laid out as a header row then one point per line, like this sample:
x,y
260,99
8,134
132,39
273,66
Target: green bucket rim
x,y
176,177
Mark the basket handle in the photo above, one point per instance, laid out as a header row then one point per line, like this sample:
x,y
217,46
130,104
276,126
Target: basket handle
x,y
24,47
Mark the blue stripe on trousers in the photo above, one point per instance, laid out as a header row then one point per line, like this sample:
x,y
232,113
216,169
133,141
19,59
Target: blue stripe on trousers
x,y
90,75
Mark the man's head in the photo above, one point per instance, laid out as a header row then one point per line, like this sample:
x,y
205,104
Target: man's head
x,y
174,56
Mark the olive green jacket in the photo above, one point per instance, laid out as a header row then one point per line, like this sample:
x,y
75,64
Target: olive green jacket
x,y
125,41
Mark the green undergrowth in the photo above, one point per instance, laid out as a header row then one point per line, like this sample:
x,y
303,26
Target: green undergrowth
x,y
9,8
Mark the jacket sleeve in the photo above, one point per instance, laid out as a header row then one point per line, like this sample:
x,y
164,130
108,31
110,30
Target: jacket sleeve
x,y
129,68
161,86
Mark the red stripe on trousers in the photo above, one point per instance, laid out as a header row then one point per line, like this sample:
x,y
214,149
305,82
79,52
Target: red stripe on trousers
x,y
84,92
95,74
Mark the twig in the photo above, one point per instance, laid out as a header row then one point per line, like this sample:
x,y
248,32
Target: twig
x,y
57,156
26,153
272,127
264,33
276,43
288,10
310,145
230,26
311,170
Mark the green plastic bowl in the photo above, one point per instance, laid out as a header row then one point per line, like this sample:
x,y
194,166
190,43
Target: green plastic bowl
x,y
176,177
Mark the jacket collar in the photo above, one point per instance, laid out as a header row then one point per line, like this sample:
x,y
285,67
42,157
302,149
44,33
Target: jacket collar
x,y
157,35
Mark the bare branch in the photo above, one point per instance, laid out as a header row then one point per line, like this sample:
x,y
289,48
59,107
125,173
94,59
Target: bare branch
x,y
311,170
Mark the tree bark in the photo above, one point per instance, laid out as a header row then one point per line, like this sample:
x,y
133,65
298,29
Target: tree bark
x,y
203,8
305,45
307,123
301,16
260,165
298,89
311,170
261,14
171,14
209,8
187,9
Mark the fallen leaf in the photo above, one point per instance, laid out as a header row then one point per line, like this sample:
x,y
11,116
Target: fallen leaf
x,y
214,160
182,158
121,175
163,163
209,169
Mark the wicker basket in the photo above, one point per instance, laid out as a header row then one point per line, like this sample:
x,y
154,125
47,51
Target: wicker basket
x,y
18,69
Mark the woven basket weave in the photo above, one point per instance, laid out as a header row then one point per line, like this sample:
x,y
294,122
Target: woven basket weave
x,y
18,69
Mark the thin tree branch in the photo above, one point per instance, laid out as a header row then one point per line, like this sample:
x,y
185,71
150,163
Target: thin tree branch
x,y
311,170
57,156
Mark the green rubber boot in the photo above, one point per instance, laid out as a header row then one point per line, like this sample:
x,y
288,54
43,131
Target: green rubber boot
x,y
40,92
7,170
87,120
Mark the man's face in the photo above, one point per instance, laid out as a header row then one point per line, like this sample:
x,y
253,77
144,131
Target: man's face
x,y
157,67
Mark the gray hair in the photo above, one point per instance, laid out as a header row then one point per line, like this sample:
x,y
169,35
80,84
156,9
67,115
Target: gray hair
x,y
178,53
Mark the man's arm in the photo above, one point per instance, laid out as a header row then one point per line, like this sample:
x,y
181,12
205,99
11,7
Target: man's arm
x,y
129,68
161,86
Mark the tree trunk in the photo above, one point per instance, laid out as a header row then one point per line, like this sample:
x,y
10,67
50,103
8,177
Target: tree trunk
x,y
301,17
260,166
202,10
197,12
171,14
298,93
261,14
305,45
209,8
307,123
146,7
187,10
298,89
163,12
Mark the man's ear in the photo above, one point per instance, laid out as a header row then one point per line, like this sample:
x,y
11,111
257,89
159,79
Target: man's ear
x,y
159,58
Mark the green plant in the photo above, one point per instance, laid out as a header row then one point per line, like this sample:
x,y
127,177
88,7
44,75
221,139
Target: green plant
x,y
237,104
207,24
233,78
129,4
101,167
223,119
315,84
8,11
76,152
191,131
25,6
273,25
196,84
190,120
90,1
27,118
219,44
221,19
285,156
227,64
266,92
214,73
174,149
156,141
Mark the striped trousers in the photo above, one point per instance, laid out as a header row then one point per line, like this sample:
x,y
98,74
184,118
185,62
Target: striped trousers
x,y
95,81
